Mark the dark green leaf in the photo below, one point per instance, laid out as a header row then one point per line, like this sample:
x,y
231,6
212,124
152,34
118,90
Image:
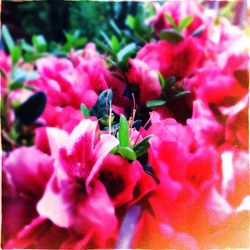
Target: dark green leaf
x,y
105,37
115,28
7,37
142,147
15,85
15,54
170,81
101,107
127,153
171,21
123,132
84,110
171,36
155,103
183,93
104,47
185,23
130,48
31,109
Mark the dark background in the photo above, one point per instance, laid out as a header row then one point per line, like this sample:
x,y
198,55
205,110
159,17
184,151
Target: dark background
x,y
52,18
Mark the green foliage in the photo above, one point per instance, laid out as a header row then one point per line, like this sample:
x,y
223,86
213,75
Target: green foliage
x,y
155,103
101,107
171,35
185,23
31,109
7,38
127,153
123,132
84,110
142,147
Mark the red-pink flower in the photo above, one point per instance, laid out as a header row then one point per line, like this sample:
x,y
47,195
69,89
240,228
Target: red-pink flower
x,y
179,60
125,182
146,78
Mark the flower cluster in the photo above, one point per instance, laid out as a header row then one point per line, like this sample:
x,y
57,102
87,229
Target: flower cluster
x,y
140,148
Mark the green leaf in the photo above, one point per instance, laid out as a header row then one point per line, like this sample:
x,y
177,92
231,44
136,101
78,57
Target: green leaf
x,y
115,27
84,110
127,153
155,103
39,43
171,21
185,23
123,132
25,46
142,147
81,41
181,94
14,134
105,37
7,37
130,21
130,48
115,45
162,81
15,85
171,36
104,47
114,150
15,54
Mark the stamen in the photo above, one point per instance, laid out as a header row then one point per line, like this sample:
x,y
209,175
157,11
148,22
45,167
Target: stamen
x,y
146,124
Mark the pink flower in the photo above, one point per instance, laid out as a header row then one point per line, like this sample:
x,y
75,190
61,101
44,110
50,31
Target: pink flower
x,y
65,118
74,198
26,173
207,130
212,85
5,66
178,11
146,78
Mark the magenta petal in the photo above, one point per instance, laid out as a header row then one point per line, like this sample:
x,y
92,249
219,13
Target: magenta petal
x,y
30,169
28,234
103,147
55,205
96,213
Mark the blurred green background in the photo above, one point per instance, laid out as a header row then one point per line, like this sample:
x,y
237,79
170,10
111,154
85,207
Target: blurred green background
x,y
52,18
